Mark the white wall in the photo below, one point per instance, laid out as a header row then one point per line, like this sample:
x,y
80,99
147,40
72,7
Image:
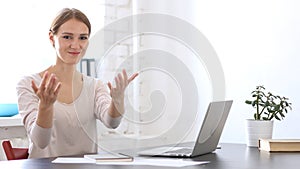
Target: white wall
x,y
257,42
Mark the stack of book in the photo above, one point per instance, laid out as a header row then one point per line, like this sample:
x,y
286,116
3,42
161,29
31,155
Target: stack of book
x,y
279,145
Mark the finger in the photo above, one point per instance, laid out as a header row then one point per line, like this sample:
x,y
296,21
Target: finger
x,y
34,87
57,88
125,77
117,82
132,77
51,84
109,85
44,81
121,80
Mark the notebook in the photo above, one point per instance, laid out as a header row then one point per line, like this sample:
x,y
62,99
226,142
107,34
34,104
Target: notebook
x,y
208,136
108,157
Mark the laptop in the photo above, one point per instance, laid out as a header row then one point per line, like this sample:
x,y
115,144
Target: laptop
x,y
208,137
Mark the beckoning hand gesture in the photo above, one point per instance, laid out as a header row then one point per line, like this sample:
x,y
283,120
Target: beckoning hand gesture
x,y
117,92
48,90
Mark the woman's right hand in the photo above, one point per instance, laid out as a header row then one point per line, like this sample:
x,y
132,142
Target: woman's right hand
x,y
48,89
47,92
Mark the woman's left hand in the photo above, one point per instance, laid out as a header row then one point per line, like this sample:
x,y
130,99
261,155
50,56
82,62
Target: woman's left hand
x,y
117,92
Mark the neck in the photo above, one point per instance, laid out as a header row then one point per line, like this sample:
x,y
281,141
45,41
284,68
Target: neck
x,y
65,73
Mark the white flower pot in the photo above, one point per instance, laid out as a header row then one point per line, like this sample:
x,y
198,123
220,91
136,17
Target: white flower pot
x,y
256,129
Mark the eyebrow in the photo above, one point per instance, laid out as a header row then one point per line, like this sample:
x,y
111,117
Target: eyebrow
x,y
68,33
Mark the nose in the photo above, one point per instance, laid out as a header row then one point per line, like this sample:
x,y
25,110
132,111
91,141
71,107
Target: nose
x,y
75,44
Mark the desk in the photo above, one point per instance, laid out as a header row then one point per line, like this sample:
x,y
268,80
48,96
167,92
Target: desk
x,y
12,127
230,156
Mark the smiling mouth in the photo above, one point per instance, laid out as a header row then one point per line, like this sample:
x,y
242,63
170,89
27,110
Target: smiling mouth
x,y
74,53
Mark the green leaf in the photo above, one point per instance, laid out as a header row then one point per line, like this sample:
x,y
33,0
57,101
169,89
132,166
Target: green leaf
x,y
276,107
276,117
281,114
248,102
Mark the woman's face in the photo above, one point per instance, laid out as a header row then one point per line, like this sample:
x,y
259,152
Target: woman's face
x,y
71,41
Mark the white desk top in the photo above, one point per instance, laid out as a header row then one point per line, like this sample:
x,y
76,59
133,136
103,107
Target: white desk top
x,y
11,121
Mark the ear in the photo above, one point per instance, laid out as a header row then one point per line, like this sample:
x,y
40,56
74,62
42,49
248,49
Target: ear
x,y
51,38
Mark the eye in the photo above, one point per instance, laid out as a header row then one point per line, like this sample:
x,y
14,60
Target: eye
x,y
83,37
67,37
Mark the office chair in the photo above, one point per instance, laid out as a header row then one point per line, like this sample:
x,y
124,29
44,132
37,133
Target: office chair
x,y
14,153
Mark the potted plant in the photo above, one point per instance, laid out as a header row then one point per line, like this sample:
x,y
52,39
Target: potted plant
x,y
267,108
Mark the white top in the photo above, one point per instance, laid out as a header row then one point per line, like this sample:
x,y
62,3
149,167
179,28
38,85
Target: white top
x,y
74,125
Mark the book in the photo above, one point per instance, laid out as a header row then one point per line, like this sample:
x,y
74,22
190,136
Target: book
x,y
108,157
279,145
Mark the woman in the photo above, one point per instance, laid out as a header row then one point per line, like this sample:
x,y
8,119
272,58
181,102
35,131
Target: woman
x,y
59,105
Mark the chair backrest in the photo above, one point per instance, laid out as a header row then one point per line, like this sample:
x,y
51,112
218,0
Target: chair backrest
x,y
14,153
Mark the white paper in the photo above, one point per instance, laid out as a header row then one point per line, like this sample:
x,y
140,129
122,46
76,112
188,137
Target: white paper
x,y
154,161
70,160
165,162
